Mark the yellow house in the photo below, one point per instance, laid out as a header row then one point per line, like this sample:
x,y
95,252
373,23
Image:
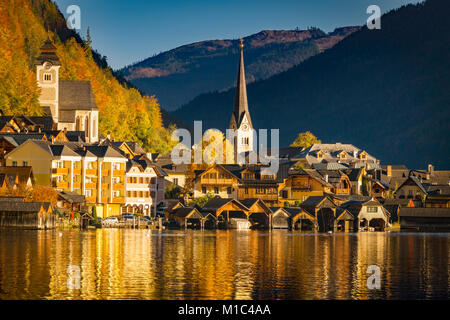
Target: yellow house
x,y
97,172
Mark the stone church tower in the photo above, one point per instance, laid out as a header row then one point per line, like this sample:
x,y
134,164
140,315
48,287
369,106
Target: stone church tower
x,y
240,119
47,72
70,103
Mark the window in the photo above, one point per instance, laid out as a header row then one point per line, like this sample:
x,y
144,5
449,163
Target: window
x,y
284,194
372,209
47,77
116,166
175,181
24,164
246,190
216,190
116,194
204,190
14,163
129,194
245,141
229,190
260,191
88,193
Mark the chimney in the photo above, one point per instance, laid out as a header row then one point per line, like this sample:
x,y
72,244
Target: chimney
x,y
53,139
65,130
326,178
389,171
108,136
431,169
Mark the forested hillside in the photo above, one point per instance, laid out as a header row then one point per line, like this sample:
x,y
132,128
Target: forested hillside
x,y
124,112
386,91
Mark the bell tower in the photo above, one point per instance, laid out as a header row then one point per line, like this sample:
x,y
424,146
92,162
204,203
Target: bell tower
x,y
240,118
47,73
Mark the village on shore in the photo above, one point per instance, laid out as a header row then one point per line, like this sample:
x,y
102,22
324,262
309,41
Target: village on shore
x,y
96,181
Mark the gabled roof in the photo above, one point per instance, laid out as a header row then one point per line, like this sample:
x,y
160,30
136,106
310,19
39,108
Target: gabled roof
x,y
425,212
316,201
24,173
76,95
217,203
71,197
415,181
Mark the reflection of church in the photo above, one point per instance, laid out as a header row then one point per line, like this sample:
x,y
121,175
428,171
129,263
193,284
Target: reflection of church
x,y
240,119
70,103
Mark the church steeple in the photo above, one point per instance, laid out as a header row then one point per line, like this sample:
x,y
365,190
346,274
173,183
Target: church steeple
x,y
241,111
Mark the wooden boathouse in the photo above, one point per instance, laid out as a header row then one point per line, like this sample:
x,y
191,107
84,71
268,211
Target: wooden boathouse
x,y
425,219
16,213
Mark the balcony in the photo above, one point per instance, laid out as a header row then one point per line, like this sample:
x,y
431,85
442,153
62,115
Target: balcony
x,y
60,170
267,197
217,181
91,172
118,173
105,173
77,171
118,186
61,185
104,200
77,185
118,200
105,185
91,199
91,185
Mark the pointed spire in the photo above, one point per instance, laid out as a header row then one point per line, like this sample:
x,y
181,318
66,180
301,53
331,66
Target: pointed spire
x,y
241,101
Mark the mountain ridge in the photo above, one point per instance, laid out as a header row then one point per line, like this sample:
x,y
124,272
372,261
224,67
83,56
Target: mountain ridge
x,y
178,75
386,91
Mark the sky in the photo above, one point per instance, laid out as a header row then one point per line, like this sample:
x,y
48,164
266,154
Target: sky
x,y
128,31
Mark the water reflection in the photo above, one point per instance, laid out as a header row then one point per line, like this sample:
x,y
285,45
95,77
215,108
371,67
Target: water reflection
x,y
142,264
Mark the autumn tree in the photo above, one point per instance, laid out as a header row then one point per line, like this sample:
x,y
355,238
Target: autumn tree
x,y
305,140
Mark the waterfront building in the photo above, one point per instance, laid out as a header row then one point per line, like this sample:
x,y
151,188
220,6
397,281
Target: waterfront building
x,y
368,214
16,213
144,187
97,172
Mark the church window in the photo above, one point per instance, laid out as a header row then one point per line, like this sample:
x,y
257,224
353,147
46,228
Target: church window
x,y
47,77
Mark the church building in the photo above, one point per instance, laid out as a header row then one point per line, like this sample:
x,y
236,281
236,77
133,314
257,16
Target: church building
x,y
70,103
240,119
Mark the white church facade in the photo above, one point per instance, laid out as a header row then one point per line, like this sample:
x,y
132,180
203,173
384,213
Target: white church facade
x,y
70,103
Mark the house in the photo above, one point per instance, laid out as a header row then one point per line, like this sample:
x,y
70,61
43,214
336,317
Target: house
x,y
368,214
71,201
345,154
220,180
97,172
425,219
438,196
258,182
411,188
304,183
144,187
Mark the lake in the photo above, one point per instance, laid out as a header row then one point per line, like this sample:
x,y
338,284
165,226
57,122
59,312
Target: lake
x,y
230,264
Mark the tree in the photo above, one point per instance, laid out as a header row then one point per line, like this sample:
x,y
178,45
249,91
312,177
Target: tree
x,y
44,194
305,140
202,201
173,192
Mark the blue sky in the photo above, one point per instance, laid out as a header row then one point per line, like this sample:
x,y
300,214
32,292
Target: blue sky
x,y
127,31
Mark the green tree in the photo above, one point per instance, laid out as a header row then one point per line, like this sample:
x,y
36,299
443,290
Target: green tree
x,y
305,140
202,201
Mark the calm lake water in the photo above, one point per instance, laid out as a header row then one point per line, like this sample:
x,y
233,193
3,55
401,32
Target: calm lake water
x,y
142,264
